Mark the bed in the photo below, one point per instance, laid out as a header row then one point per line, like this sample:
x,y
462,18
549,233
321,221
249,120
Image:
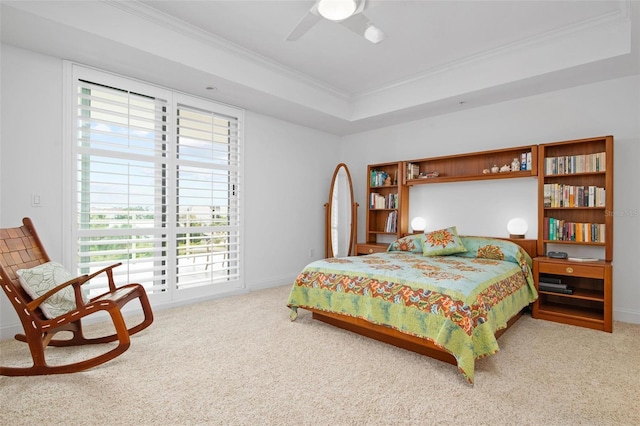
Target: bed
x,y
445,297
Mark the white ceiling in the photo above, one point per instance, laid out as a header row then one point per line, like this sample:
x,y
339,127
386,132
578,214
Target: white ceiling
x,y
422,35
438,56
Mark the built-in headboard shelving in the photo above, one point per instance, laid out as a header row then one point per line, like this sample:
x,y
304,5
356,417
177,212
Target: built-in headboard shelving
x,y
483,165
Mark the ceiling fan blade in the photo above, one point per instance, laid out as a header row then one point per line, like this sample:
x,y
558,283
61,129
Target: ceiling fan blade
x,y
362,4
305,24
361,25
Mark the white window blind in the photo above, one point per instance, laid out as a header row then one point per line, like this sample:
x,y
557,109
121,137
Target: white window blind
x,y
157,187
207,193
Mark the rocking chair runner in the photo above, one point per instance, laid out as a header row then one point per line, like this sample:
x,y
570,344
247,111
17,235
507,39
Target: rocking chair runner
x,y
20,248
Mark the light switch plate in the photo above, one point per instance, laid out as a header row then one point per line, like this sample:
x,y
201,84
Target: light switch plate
x,y
36,200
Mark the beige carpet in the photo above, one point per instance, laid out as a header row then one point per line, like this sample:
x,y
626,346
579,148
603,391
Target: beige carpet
x,y
240,361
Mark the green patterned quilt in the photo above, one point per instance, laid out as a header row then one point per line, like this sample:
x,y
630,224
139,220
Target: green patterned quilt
x,y
457,302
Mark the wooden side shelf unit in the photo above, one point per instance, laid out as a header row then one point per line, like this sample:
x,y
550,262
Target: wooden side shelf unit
x,y
387,201
575,205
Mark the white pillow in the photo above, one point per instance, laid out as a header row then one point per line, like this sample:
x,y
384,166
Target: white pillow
x,y
42,278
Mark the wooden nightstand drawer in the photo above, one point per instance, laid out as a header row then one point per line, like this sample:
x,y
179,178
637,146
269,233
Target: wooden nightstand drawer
x,y
369,248
572,269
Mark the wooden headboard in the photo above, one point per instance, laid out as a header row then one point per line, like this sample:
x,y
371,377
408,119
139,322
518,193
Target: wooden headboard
x,y
530,246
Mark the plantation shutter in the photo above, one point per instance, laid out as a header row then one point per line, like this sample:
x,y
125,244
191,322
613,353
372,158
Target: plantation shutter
x,y
157,187
207,171
121,169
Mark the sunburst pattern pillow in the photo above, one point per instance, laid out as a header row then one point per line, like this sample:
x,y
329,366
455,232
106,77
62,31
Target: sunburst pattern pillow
x,y
442,242
410,243
494,248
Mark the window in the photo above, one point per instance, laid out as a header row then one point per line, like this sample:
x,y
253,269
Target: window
x,y
156,187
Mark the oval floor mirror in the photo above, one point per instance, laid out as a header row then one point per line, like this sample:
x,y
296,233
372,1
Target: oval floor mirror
x,y
341,215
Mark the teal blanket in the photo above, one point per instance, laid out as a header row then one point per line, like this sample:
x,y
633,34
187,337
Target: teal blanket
x,y
457,302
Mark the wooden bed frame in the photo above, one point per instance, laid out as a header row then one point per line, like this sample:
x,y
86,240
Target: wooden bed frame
x,y
394,337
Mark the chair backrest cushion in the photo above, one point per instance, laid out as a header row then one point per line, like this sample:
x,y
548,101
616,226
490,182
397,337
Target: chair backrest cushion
x,y
38,280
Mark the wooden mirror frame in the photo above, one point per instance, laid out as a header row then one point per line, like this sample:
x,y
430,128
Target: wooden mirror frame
x,y
330,209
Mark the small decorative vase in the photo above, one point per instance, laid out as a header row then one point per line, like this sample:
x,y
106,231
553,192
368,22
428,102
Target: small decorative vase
x,y
495,169
515,165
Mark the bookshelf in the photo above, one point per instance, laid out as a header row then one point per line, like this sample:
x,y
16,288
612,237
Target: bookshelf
x,y
575,205
387,202
452,168
473,166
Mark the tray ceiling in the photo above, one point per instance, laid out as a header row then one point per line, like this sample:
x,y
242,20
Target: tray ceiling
x,y
438,56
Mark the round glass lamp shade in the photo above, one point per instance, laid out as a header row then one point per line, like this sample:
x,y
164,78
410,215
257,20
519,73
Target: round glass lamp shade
x,y
336,10
418,224
517,227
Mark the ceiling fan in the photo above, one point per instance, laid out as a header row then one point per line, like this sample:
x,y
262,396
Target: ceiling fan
x,y
345,12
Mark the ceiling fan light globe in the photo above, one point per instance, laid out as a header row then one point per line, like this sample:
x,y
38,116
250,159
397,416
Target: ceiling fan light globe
x,y
336,10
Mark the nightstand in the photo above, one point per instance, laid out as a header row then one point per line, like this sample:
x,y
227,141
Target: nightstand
x,y
589,304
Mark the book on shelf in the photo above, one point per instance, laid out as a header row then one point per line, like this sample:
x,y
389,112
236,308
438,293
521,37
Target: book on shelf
x,y
525,162
378,178
560,195
569,164
390,225
413,171
583,259
378,201
554,229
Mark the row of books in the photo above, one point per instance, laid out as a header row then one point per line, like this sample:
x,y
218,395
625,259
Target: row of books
x,y
584,163
377,201
559,195
554,285
564,230
413,171
525,161
391,224
378,178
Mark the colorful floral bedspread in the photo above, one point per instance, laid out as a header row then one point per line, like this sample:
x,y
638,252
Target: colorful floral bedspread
x,y
456,302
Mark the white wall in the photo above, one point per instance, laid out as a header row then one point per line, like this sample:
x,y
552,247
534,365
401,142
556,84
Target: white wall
x,y
287,173
288,170
32,142
611,107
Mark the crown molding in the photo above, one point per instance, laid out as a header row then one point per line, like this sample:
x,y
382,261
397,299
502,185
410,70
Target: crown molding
x,y
622,14
128,37
140,10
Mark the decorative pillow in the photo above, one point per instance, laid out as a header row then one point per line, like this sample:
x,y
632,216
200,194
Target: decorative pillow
x,y
410,243
42,278
442,242
495,248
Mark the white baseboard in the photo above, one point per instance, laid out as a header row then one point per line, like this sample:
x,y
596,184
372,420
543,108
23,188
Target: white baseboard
x,y
275,282
8,331
626,315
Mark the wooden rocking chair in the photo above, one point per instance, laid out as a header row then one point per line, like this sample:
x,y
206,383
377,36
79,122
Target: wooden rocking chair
x,y
20,248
